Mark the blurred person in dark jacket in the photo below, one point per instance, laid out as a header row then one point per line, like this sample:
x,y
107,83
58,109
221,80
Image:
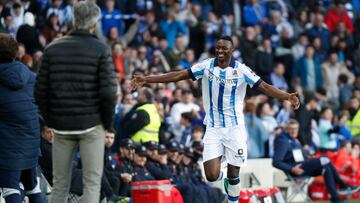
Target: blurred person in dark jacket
x,y
124,165
110,182
156,163
304,116
19,126
78,102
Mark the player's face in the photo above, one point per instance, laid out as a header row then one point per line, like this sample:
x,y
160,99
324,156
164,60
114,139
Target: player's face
x,y
223,50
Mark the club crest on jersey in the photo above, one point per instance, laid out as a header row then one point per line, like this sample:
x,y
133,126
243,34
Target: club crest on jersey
x,y
235,72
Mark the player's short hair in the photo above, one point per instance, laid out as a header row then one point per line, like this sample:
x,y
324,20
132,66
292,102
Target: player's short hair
x,y
227,38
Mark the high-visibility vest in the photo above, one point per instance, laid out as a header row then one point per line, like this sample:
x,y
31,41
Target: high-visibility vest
x,y
151,131
354,124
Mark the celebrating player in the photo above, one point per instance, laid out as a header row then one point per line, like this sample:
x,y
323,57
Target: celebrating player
x,y
224,82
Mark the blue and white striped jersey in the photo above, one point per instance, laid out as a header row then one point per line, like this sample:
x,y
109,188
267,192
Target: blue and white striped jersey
x,y
223,91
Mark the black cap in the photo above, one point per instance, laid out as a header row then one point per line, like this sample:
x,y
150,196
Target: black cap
x,y
162,149
172,146
198,145
126,143
189,152
151,145
181,148
140,150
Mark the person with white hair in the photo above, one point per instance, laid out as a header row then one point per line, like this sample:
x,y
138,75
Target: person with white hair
x,y
76,94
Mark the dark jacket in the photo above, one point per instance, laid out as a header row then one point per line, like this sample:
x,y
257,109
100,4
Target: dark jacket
x,y
304,116
159,171
19,122
76,86
283,152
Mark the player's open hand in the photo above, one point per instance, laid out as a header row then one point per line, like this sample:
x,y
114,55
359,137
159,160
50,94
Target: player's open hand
x,y
137,81
294,100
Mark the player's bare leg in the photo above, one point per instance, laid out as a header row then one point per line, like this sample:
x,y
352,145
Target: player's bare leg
x,y
212,169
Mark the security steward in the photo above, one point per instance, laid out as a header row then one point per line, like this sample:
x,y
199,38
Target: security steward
x,y
143,122
141,173
124,166
157,163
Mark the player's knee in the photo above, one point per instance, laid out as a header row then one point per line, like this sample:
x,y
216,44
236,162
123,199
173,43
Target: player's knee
x,y
213,176
324,161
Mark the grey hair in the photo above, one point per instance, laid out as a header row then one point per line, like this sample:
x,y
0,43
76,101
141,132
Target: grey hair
x,y
291,122
86,15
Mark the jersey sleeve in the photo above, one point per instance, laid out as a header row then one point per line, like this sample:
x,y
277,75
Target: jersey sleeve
x,y
197,71
250,77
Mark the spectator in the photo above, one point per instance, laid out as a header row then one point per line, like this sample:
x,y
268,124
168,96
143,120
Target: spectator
x,y
143,122
172,28
17,13
56,8
173,55
319,29
300,23
298,50
188,60
284,114
264,60
19,126
118,58
277,28
254,13
248,46
300,165
332,69
9,26
327,139
304,116
277,77
185,105
338,14
111,17
345,89
307,71
52,29
266,115
75,122
185,122
28,35
257,132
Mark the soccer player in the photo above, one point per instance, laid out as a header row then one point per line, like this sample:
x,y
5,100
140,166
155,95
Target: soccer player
x,y
224,82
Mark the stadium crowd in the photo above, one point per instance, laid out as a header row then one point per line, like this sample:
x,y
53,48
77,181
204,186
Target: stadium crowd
x,y
311,47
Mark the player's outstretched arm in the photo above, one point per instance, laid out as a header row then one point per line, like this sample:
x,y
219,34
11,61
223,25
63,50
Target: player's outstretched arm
x,y
175,76
282,95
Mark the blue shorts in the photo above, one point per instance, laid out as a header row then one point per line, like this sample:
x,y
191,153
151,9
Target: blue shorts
x,y
12,178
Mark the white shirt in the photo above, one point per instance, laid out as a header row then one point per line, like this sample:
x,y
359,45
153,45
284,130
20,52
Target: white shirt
x,y
223,91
